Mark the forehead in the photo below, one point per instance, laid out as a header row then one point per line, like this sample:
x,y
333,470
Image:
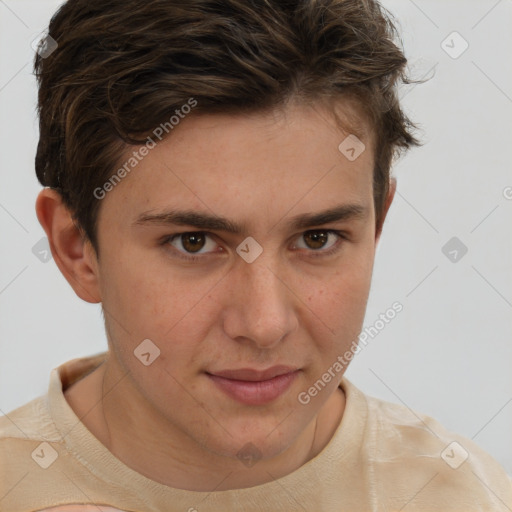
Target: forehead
x,y
262,165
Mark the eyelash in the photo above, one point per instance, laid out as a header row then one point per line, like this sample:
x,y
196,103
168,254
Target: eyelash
x,y
314,254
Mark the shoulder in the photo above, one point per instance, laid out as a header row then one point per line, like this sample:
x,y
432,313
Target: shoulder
x,y
408,446
27,436
30,421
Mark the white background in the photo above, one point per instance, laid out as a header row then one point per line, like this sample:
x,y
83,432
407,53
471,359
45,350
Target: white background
x,y
449,352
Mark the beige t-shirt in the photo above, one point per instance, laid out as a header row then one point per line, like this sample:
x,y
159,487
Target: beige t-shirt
x,y
382,457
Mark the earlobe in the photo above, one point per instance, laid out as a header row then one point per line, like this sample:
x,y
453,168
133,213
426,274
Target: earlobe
x,y
71,250
387,204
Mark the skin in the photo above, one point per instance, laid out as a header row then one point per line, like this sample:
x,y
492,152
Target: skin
x,y
294,305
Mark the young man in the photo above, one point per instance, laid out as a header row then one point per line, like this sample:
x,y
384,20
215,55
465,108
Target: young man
x,y
217,176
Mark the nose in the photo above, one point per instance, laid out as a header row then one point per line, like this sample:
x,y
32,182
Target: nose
x,y
260,308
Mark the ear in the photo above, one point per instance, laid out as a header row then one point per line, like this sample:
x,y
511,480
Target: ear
x,y
71,250
387,204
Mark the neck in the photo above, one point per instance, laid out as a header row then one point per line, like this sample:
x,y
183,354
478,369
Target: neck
x,y
135,433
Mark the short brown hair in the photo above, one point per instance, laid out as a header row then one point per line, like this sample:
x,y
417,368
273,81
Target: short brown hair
x,y
122,67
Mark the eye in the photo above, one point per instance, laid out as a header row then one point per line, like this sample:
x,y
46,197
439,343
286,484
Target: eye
x,y
192,243
319,240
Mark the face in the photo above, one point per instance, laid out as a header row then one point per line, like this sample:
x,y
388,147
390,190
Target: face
x,y
242,247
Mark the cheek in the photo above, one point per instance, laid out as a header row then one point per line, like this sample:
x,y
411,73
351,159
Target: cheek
x,y
152,295
339,304
168,307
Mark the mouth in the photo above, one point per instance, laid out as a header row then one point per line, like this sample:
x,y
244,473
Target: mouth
x,y
254,387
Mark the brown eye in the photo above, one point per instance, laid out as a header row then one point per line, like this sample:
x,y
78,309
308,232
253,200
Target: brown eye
x,y
316,239
193,245
320,242
193,242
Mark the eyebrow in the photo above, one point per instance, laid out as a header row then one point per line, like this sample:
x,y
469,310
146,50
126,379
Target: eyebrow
x,y
206,221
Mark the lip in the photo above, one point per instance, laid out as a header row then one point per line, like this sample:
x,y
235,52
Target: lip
x,y
248,374
254,387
